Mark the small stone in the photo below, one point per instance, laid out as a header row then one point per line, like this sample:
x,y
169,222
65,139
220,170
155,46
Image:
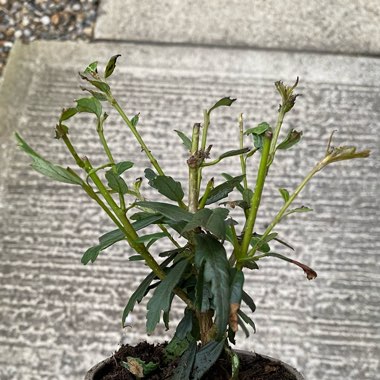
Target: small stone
x,y
76,7
25,21
87,31
55,19
27,33
45,20
18,34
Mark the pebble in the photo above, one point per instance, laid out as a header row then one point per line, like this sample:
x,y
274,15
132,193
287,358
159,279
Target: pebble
x,y
44,19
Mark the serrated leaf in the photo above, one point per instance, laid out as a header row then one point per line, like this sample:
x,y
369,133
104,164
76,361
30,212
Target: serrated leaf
x,y
285,194
211,220
170,211
258,130
206,357
211,252
135,119
115,182
90,105
160,300
105,241
121,167
224,102
298,209
45,167
167,186
142,289
67,113
229,177
235,152
292,138
221,191
185,140
247,320
111,65
248,301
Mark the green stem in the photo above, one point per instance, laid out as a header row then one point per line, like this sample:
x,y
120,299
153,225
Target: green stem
x,y
137,135
255,202
193,170
168,235
206,124
286,205
242,160
276,133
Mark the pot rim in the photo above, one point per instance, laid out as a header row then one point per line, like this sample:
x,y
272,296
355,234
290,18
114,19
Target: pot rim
x,y
100,366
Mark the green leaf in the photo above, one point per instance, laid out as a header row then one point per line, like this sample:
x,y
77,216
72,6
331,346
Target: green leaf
x,y
298,209
211,252
121,167
167,186
185,140
90,105
105,241
235,152
67,113
284,193
247,320
185,364
115,182
292,138
143,289
262,246
145,220
229,177
92,68
45,167
135,119
95,94
222,103
150,239
221,191
102,86
249,301
170,211
136,258
206,357
162,295
211,220
111,65
235,364
237,286
258,130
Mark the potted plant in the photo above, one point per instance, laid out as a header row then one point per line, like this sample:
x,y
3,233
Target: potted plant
x,y
211,253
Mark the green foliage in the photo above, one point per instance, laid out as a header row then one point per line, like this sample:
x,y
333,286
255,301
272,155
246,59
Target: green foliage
x,y
195,268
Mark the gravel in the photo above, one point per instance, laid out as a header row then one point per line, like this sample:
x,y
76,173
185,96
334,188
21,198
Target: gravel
x,y
44,19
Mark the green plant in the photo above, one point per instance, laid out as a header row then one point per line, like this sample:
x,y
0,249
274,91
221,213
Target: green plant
x,y
206,266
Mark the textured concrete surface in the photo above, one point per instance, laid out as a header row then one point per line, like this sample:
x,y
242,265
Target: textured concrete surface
x,y
57,317
317,25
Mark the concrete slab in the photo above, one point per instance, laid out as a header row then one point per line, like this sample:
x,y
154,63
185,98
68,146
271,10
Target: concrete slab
x,y
318,25
57,317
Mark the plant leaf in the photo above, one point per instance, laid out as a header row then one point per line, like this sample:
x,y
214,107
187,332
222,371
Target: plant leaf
x,y
235,299
115,182
227,101
67,113
292,138
247,320
142,289
249,301
95,94
166,186
206,357
284,193
221,191
111,65
90,105
258,130
211,220
170,211
185,364
92,68
235,152
298,209
211,252
162,295
185,140
138,367
105,241
135,119
45,167
121,167
150,239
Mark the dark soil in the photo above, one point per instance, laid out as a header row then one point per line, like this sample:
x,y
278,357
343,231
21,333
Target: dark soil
x,y
252,367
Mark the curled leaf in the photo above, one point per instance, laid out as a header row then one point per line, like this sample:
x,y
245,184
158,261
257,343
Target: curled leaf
x,y
111,65
286,92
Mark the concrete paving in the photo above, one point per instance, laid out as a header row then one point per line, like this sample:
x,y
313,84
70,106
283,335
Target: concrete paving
x,y
58,317
344,26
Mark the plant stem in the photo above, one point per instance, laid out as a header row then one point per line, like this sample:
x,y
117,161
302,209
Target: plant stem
x,y
206,124
276,133
137,135
255,202
286,205
193,163
242,161
209,187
